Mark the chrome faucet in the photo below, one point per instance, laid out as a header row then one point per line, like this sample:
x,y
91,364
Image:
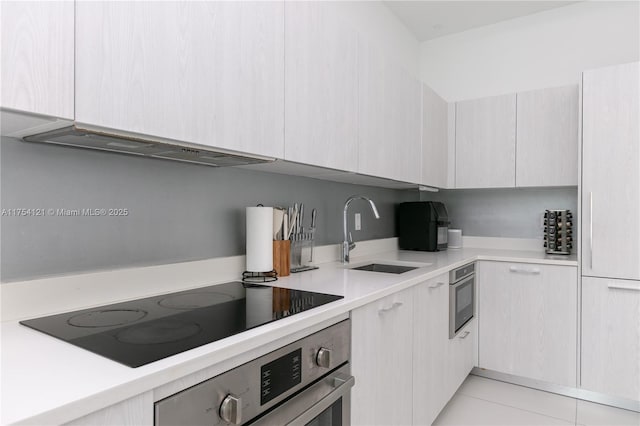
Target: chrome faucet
x,y
348,244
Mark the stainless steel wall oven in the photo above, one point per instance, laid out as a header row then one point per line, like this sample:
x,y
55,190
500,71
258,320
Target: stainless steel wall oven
x,y
307,382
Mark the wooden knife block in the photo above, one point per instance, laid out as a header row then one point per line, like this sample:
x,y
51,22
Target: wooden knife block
x,y
282,257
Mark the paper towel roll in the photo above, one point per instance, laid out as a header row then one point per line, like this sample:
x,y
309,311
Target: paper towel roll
x,y
259,239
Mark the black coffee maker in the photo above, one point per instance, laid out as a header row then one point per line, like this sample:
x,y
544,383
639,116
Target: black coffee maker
x,y
422,225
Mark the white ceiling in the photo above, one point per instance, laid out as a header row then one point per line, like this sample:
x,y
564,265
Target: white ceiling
x,y
431,19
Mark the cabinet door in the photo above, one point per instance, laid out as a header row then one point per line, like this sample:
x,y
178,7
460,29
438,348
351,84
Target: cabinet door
x,y
381,357
209,73
460,357
430,344
528,320
389,118
321,92
547,137
486,142
37,57
610,353
434,138
611,172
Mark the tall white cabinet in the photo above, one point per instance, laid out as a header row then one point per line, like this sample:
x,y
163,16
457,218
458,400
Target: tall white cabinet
x,y
37,48
321,90
209,73
610,192
486,142
611,172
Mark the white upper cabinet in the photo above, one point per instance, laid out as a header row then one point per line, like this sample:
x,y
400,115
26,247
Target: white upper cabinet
x,y
486,142
547,137
209,73
37,57
434,139
321,91
389,118
611,172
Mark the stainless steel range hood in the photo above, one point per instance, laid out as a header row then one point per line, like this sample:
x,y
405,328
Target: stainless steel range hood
x,y
139,145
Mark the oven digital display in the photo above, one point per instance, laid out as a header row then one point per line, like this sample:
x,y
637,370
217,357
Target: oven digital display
x,y
280,375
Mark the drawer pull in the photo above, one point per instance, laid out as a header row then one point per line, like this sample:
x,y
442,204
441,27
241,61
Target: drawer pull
x,y
436,285
623,287
464,335
384,310
533,271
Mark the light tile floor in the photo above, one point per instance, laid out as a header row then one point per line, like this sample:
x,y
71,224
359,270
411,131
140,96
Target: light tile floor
x,y
481,401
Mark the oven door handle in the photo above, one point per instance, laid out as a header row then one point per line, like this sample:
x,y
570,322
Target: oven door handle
x,y
343,384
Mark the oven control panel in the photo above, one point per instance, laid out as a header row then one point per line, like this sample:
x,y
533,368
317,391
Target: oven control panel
x,y
280,375
246,391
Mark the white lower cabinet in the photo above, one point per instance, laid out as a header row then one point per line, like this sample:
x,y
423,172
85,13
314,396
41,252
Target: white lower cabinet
x,y
430,346
610,347
381,358
405,365
137,410
460,357
528,320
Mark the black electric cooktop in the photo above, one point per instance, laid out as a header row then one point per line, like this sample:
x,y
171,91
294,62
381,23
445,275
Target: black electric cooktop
x,y
141,331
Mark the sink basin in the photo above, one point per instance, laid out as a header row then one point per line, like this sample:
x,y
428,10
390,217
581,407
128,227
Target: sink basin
x,y
389,269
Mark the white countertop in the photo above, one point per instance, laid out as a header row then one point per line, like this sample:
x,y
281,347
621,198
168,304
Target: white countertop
x,y
48,381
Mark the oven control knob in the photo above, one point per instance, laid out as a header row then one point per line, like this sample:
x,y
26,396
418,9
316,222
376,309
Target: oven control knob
x,y
231,409
323,357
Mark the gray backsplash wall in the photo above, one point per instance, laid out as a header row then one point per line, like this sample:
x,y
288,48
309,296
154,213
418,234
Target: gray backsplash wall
x,y
177,212
512,213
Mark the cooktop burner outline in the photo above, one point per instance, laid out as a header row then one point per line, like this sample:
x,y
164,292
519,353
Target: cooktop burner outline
x,y
106,318
158,332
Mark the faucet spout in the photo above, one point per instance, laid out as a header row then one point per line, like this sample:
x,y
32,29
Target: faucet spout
x,y
347,242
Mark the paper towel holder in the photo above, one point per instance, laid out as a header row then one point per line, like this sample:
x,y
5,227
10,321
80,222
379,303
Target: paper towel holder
x,y
259,228
259,277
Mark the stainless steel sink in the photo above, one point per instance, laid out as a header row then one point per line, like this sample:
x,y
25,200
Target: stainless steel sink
x,y
388,269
